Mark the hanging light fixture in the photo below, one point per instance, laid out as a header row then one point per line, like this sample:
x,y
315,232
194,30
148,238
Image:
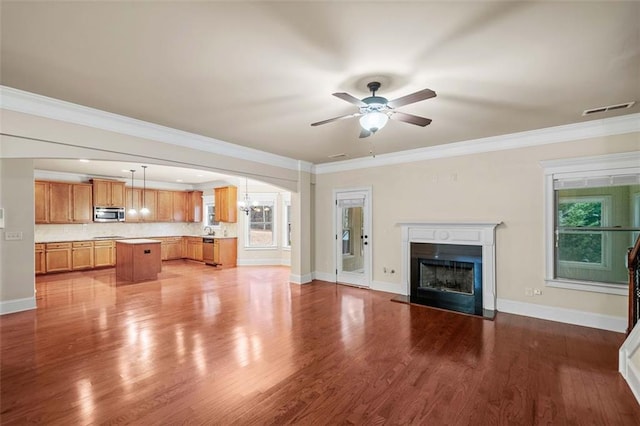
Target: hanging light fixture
x,y
132,211
246,205
144,210
374,121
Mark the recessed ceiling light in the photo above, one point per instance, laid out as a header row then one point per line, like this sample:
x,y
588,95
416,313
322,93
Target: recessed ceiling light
x,y
83,160
178,180
126,171
200,175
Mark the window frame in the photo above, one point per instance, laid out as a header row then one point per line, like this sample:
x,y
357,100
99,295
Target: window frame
x,y
263,197
209,200
580,168
286,221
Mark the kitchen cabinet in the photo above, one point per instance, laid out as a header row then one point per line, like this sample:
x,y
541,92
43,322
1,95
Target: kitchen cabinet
x,y
225,252
82,255
41,193
104,253
41,265
58,257
149,200
108,193
132,201
63,202
179,206
171,248
226,200
194,206
194,248
164,210
138,259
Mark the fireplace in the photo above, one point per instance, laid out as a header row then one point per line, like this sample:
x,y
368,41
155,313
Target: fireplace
x,y
447,276
450,265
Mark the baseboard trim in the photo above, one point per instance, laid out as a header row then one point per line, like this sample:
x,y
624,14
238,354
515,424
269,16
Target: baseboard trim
x,y
17,305
300,279
569,316
387,287
324,276
261,262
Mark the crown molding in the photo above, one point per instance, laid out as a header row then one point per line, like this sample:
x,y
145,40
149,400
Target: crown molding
x,y
43,106
629,123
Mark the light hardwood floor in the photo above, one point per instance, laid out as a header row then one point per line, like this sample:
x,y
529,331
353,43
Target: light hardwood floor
x,y
243,346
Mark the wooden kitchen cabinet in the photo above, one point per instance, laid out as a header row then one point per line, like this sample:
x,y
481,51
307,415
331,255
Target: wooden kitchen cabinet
x,y
58,257
104,253
138,198
41,202
225,252
108,193
226,200
164,210
171,248
132,201
194,248
149,200
179,206
40,261
63,202
194,206
82,255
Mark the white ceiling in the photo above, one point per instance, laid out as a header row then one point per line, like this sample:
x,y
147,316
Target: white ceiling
x,y
258,73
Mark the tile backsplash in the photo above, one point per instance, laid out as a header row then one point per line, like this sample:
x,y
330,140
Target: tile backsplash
x,y
87,231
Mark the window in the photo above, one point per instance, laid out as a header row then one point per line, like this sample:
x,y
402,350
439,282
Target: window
x,y
210,216
590,221
260,226
347,242
286,238
581,243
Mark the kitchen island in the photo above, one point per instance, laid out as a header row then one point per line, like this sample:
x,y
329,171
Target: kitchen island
x,y
138,259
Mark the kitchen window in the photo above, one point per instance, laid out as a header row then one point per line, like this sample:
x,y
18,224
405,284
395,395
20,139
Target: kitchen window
x,y
260,223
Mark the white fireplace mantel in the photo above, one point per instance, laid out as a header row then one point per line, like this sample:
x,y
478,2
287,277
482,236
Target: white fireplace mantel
x,y
462,233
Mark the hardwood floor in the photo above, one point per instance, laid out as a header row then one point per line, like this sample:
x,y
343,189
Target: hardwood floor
x,y
243,346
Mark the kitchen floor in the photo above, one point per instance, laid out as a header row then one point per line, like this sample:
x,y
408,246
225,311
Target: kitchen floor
x,y
244,346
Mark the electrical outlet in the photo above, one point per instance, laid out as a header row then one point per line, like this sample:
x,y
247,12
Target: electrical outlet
x,y
537,291
13,236
528,292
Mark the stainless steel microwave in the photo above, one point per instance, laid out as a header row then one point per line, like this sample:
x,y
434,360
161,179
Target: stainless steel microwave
x,y
108,214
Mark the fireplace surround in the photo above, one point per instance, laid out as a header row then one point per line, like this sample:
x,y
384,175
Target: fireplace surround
x,y
445,254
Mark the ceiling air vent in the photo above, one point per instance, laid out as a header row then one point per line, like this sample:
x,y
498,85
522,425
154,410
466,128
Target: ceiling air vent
x,y
608,108
336,156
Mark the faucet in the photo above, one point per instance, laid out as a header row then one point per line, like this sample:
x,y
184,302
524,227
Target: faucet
x,y
209,230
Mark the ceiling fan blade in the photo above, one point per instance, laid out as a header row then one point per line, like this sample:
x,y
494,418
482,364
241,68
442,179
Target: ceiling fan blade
x,y
342,117
349,98
364,133
414,97
410,118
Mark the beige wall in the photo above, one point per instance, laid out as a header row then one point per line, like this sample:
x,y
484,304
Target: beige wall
x,y
502,186
17,280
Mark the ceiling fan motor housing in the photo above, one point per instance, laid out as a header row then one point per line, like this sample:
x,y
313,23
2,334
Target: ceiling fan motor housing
x,y
374,103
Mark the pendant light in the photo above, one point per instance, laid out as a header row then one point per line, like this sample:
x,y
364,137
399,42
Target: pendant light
x,y
246,205
132,211
144,210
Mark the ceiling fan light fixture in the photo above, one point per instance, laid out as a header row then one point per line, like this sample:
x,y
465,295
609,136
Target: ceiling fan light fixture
x,y
374,121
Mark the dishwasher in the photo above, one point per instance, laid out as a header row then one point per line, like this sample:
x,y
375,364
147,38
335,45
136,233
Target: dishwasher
x,y
209,251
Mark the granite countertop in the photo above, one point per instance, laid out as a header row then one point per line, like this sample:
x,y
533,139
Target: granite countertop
x,y
121,237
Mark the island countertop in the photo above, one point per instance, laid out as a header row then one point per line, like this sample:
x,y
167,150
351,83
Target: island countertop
x,y
138,241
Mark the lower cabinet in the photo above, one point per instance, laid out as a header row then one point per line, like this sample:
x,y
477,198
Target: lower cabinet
x,y
225,252
82,255
58,257
171,248
194,248
41,264
104,254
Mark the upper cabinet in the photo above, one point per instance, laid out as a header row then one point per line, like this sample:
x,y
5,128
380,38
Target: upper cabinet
x,y
226,199
194,206
61,202
108,193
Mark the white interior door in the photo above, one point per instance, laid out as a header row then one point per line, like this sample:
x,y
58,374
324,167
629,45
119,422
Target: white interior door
x,y
353,237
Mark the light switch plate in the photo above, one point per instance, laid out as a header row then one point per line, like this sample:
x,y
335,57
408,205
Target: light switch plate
x,y
13,236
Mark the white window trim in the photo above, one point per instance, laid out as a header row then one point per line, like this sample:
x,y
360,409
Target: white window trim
x,y
605,260
604,165
269,197
209,200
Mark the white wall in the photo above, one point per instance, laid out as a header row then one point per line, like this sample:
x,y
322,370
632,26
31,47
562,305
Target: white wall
x,y
498,186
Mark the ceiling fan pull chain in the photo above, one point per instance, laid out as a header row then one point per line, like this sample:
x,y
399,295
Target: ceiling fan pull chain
x,y
372,150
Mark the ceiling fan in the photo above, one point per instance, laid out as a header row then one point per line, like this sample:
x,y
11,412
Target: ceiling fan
x,y
375,111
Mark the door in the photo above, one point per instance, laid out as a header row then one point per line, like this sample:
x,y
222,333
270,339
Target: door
x,y
353,237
